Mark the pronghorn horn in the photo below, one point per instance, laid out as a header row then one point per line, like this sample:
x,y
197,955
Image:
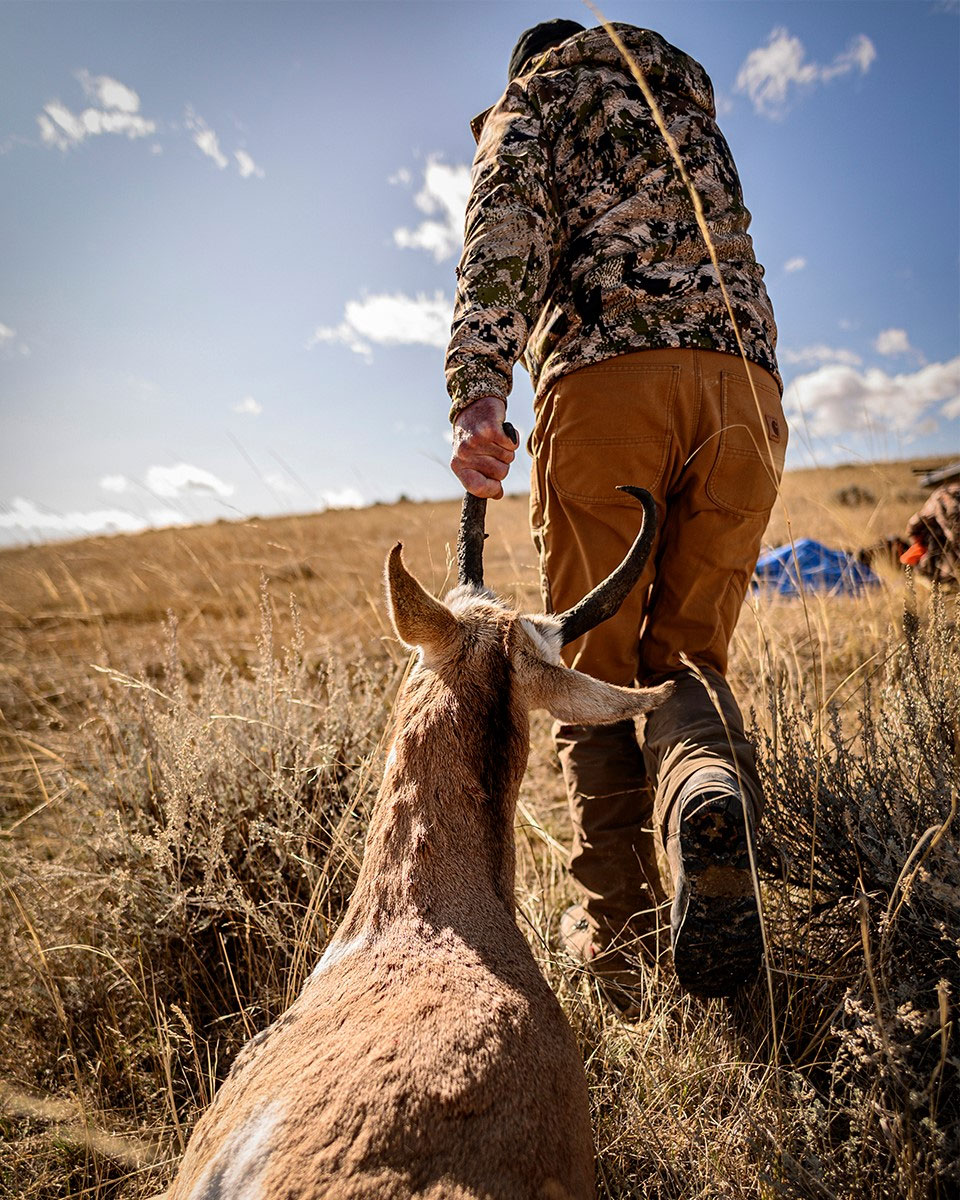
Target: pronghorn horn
x,y
605,599
470,540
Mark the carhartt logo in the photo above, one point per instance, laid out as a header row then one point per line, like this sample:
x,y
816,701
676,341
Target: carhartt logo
x,y
773,427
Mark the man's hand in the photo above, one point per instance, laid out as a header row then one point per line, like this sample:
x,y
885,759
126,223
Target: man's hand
x,y
482,451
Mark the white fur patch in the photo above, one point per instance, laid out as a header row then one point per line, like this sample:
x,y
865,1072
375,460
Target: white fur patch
x,y
336,952
237,1171
467,595
545,635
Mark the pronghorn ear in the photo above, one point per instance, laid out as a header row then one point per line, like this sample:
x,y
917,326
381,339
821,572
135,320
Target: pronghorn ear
x,y
578,699
418,618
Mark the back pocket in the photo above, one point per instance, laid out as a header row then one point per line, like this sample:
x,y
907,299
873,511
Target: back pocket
x,y
746,475
635,406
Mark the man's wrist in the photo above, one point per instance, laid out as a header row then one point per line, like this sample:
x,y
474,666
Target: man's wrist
x,y
459,409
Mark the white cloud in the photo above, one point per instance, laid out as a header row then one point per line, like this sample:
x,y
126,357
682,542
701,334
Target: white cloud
x,y
184,479
443,198
391,320
96,122
347,497
809,355
837,399
59,127
402,176
247,166
859,55
205,139
248,407
10,344
165,516
893,341
794,264
118,113
770,72
114,483
25,515
343,333
109,93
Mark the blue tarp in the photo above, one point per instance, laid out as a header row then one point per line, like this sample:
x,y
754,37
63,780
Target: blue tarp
x,y
820,568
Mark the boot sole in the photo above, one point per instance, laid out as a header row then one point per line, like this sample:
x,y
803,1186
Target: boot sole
x,y
717,943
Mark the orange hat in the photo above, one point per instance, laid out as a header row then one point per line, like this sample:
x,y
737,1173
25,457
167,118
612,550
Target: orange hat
x,y
911,557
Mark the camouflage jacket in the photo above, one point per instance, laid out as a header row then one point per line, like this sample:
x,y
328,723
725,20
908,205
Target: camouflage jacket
x,y
580,240
937,526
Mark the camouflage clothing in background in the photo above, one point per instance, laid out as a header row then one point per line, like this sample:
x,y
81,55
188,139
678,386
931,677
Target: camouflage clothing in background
x,y
581,242
937,526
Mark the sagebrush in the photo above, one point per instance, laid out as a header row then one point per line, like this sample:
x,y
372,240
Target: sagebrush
x,y
184,833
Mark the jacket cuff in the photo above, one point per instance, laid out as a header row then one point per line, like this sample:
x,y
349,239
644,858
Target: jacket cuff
x,y
465,386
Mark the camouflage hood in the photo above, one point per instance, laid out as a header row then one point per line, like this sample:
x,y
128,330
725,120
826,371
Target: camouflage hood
x,y
581,242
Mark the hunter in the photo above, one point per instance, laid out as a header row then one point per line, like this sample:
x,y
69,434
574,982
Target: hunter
x,y
583,256
934,536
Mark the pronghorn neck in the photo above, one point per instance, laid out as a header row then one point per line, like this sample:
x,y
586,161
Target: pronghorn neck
x,y
441,834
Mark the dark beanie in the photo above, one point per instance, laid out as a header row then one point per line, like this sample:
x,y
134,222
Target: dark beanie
x,y
541,37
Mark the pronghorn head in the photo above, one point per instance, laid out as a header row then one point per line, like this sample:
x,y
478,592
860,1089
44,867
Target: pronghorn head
x,y
472,637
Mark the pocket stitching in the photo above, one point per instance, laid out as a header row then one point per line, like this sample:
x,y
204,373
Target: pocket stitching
x,y
601,368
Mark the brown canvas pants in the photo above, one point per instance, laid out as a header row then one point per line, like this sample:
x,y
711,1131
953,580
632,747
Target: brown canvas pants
x,y
685,425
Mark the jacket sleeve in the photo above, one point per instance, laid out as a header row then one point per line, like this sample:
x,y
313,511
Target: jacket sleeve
x,y
511,241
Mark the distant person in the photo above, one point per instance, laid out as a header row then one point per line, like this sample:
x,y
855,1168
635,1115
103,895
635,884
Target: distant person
x,y
934,536
582,254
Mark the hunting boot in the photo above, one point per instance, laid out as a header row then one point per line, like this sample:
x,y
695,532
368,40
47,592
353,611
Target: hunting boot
x,y
714,920
617,924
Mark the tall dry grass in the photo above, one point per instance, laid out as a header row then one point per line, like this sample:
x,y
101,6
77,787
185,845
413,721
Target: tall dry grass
x,y
184,805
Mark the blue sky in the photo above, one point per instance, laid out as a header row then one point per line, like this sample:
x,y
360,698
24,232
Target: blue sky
x,y
229,233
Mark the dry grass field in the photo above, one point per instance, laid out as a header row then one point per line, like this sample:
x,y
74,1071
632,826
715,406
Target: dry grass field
x,y
191,729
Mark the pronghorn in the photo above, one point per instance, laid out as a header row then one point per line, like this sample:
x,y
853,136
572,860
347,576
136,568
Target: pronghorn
x,y
426,1055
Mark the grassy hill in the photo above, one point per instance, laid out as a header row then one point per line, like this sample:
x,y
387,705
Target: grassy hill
x,y
191,724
